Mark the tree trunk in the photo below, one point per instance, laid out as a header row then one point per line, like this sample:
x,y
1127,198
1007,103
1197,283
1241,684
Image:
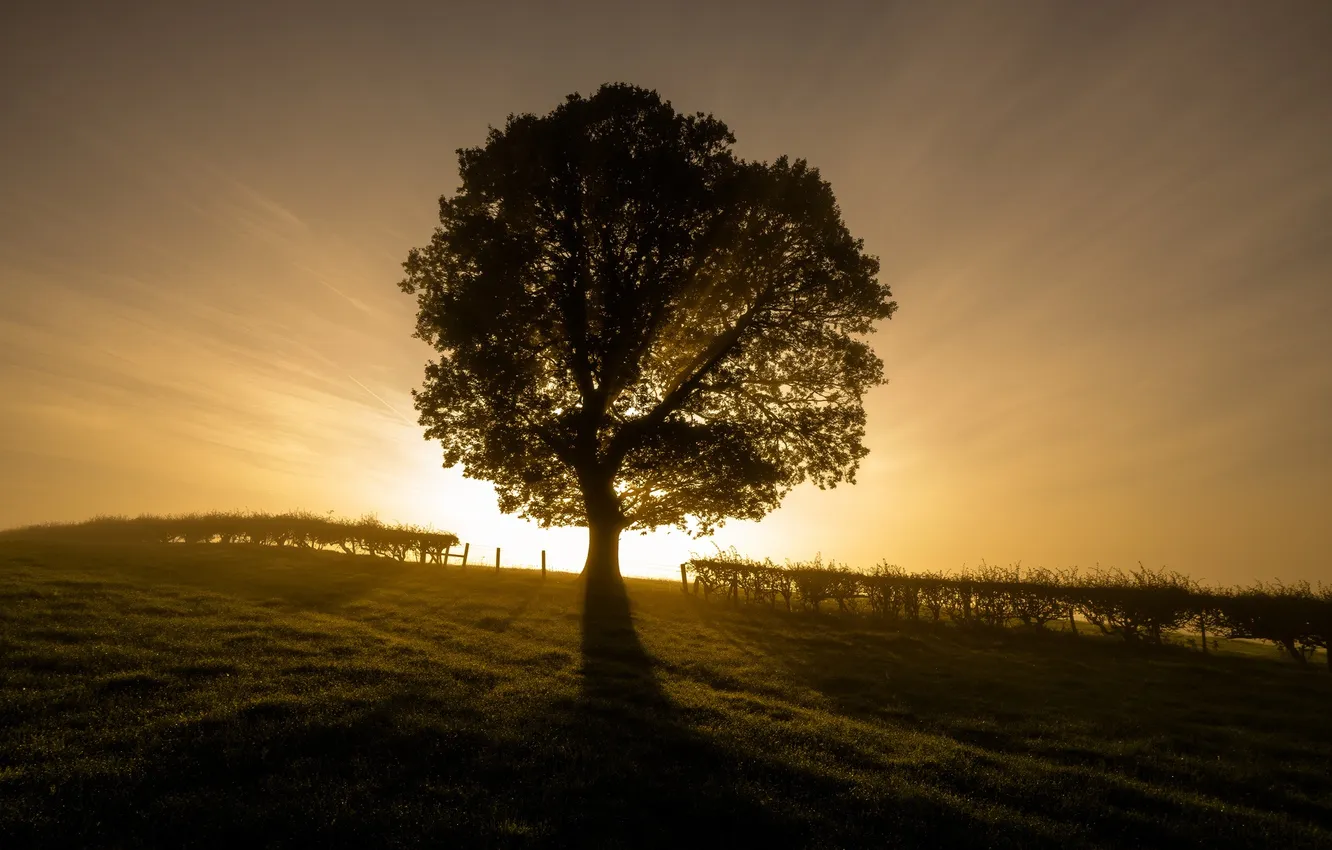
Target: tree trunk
x,y
604,523
1293,651
603,551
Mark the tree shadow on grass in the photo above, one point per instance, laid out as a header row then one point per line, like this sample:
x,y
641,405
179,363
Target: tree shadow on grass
x,y
653,777
643,775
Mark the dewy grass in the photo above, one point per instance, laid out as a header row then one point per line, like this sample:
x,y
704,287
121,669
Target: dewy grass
x,y
180,695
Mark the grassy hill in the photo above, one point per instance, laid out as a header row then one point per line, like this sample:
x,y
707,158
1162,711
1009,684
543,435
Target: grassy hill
x,y
180,695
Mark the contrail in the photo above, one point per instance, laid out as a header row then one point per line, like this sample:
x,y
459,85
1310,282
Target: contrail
x,y
355,302
381,401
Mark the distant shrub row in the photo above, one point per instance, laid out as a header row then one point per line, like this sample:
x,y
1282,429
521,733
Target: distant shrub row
x,y
1142,605
366,535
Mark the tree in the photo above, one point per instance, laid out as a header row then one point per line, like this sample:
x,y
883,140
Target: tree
x,y
637,328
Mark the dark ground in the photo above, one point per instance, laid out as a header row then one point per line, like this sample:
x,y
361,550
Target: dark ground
x,y
217,695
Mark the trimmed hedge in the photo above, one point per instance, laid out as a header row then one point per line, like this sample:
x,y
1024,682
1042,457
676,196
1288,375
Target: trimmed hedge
x,y
1141,606
366,535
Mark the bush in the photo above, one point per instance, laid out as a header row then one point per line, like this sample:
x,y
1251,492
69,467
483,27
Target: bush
x,y
1140,606
1294,617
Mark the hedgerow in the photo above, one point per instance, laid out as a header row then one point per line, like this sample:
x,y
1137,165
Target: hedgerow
x,y
300,529
1143,606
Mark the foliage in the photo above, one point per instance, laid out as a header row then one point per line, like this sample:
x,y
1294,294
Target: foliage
x,y
300,529
637,328
1294,617
1141,606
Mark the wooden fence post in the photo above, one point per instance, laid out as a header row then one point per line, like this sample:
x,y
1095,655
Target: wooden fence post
x,y
467,547
684,580
543,563
445,563
497,560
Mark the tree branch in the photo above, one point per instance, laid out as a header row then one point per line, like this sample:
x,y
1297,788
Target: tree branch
x,y
722,345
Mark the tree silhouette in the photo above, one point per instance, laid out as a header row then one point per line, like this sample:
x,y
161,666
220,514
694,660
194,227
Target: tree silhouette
x,y
637,328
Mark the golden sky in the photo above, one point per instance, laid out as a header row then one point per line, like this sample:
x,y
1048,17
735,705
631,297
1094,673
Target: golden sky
x,y
1108,225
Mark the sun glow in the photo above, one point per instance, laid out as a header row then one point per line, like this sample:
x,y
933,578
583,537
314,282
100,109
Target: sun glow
x,y
416,489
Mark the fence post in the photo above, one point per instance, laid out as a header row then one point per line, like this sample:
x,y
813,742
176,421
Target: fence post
x,y
543,563
497,560
467,547
444,564
684,580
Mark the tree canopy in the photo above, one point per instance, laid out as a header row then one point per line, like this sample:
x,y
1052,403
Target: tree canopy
x,y
636,327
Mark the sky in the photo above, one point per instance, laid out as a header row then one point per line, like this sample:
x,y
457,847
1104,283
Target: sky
x,y
1108,227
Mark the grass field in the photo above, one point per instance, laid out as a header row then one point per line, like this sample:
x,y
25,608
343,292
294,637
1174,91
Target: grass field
x,y
178,695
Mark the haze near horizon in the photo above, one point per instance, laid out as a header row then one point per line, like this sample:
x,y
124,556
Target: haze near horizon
x,y
1106,227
